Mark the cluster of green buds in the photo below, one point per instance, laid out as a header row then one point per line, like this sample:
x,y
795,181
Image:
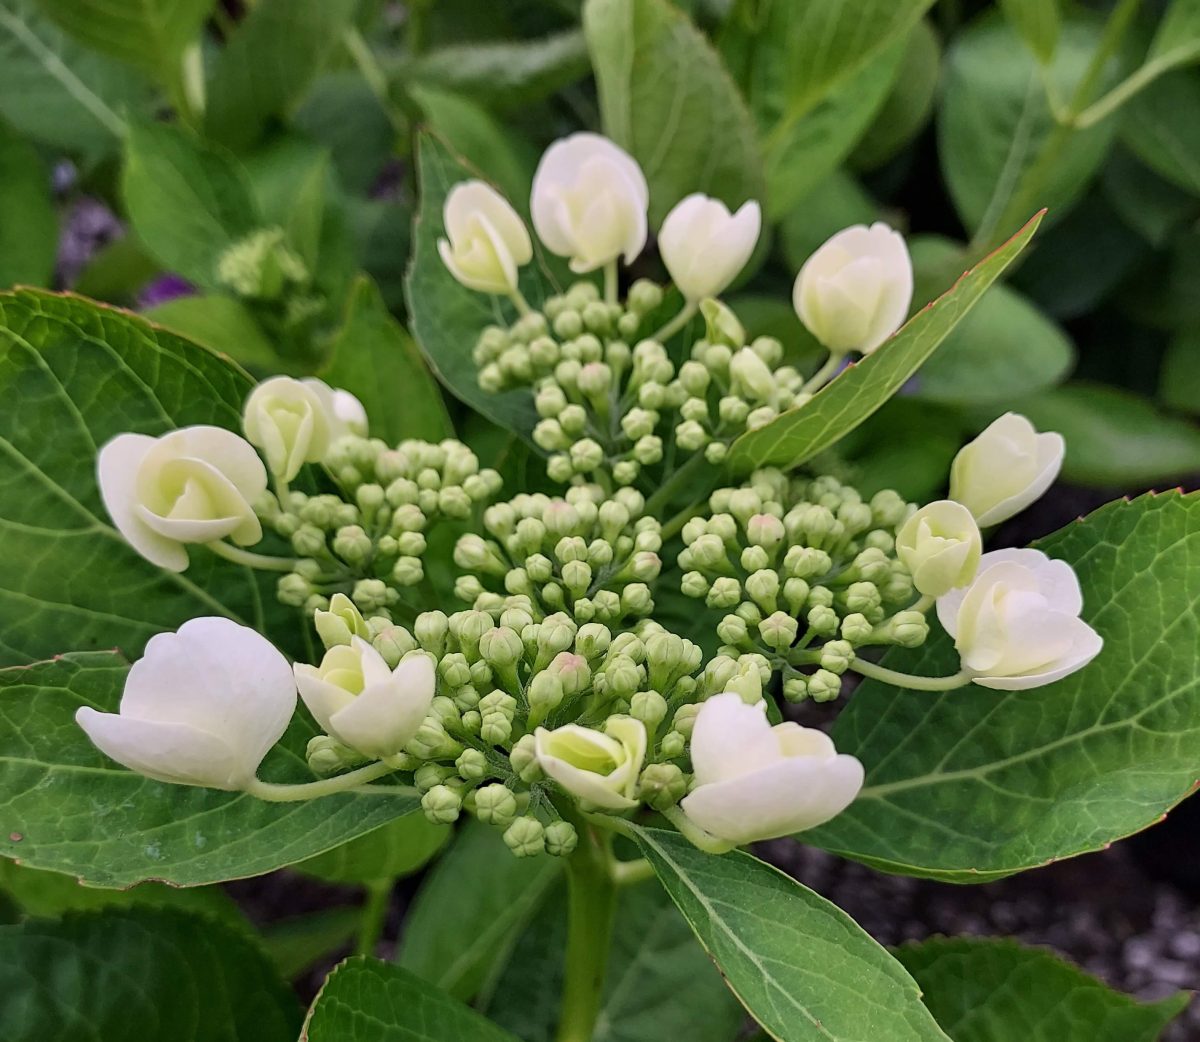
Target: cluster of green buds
x,y
592,557
808,573
503,681
368,542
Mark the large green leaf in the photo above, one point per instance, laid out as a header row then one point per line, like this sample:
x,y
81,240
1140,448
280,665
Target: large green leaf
x,y
802,967
269,63
148,34
374,358
188,201
129,976
851,397
1158,128
972,785
71,809
73,375
56,92
970,985
1037,22
666,98
446,317
470,909
371,1001
1004,350
28,223
658,982
996,130
1115,437
220,323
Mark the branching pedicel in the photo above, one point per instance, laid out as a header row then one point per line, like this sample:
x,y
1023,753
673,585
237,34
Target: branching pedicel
x,y
554,697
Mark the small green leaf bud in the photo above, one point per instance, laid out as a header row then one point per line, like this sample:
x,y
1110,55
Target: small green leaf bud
x,y
550,401
472,765
820,595
647,450
823,620
573,419
824,686
644,296
888,508
441,805
327,756
836,656
525,837
428,775
308,541
662,785
637,423
408,571
393,643
649,707
495,804
778,630
498,709
549,435
652,396
586,455
856,628
592,640
561,838
625,472
408,518
691,436
763,587
430,629
568,324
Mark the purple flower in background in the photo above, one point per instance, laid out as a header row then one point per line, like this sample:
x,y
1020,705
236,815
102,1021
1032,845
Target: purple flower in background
x,y
164,288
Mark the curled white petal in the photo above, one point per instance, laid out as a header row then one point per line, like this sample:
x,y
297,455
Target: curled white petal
x,y
1006,468
486,242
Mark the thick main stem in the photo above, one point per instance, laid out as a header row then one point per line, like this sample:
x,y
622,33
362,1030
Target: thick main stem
x,y
591,900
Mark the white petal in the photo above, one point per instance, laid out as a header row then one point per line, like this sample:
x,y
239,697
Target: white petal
x,y
725,737
382,719
1086,645
117,466
229,453
322,698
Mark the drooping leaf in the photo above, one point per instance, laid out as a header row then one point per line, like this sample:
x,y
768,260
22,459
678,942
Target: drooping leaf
x,y
972,785
374,358
74,810
56,92
28,223
666,98
396,849
279,48
372,1001
970,985
130,975
802,967
188,201
851,397
470,909
75,374
446,317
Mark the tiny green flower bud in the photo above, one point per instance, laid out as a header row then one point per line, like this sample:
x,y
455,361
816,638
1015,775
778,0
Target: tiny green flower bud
x,y
795,689
308,541
571,670
524,761
909,629
408,571
568,324
341,622
428,775
733,630
672,746
561,837
765,530
755,559
888,508
393,643
645,296
751,376
525,837
863,597
636,599
495,804
549,435
629,324
352,544
595,379
836,656
472,765
804,562
328,756
824,686
725,592
691,436
430,629
763,587
694,584
760,417
586,455
497,709
823,621
544,353
649,707
441,805
371,595
550,401
662,785
778,630
637,423
573,419
625,472
647,450
856,628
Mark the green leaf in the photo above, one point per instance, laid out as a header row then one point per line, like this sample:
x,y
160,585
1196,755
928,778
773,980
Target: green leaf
x,y
125,976
342,113
188,201
1004,350
1157,127
446,317
972,785
117,272
907,109
1115,437
150,35
1179,381
970,984
296,943
289,178
73,375
28,223
1037,22
56,92
372,1001
374,358
220,323
851,397
399,848
470,909
506,73
1148,203
74,810
658,982
264,70
801,966
996,132
836,203
666,98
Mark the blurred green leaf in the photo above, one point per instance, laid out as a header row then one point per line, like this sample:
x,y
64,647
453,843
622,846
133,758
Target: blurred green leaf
x,y
836,203
1002,351
117,271
1159,127
470,910
28,222
506,73
969,984
289,180
839,407
666,98
220,323
396,849
1179,381
995,127
373,357
1037,22
908,107
295,943
343,114
188,201
1148,203
267,66
1115,438
54,91
128,975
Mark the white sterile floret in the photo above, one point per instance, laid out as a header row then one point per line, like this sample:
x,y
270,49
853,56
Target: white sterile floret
x,y
599,767
704,246
941,546
1005,469
487,242
201,706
